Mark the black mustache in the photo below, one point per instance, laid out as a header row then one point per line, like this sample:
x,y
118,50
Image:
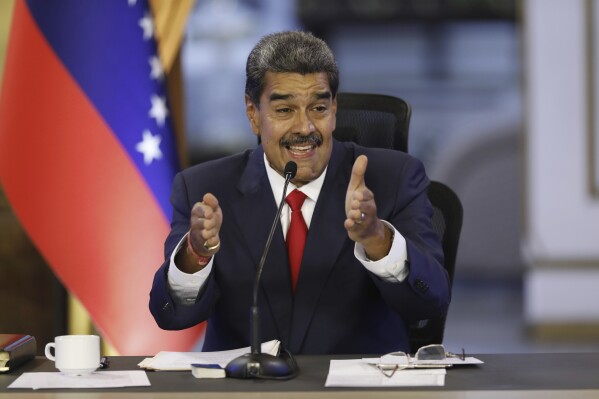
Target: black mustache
x,y
312,139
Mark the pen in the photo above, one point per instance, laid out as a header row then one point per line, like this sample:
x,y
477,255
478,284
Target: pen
x,y
104,362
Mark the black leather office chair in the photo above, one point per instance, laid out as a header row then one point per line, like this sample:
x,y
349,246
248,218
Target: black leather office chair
x,y
447,222
373,120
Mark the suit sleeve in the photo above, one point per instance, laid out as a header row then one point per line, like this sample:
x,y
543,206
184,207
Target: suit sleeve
x,y
168,313
426,292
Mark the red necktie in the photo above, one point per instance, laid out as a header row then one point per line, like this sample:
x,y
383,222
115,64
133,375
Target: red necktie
x,y
296,235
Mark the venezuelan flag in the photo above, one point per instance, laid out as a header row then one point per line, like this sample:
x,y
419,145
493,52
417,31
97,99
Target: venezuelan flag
x,y
87,156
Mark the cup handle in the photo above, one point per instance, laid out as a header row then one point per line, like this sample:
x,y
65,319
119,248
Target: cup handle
x,y
47,351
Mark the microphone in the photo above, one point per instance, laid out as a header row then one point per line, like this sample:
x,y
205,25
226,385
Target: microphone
x,y
257,364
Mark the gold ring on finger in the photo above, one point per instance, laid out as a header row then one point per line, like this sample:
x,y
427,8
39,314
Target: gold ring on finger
x,y
209,248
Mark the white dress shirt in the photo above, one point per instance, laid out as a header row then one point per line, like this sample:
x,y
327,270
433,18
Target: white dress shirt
x,y
185,286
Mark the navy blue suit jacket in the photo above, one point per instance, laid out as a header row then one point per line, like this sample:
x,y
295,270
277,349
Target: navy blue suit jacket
x,y
338,307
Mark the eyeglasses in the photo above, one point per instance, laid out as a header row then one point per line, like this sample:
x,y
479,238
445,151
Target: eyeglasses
x,y
394,361
437,352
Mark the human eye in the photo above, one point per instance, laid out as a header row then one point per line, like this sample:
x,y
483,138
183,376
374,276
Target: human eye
x,y
320,109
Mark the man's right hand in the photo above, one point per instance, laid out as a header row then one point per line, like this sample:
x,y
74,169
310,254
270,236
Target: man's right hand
x,y
206,221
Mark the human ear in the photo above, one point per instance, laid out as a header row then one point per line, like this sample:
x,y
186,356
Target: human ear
x,y
251,110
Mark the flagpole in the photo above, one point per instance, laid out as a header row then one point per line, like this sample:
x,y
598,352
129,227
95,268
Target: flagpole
x,y
6,8
170,19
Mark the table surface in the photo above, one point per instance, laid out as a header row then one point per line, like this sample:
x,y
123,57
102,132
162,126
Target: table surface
x,y
572,375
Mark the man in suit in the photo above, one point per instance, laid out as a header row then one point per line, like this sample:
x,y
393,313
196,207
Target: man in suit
x,y
371,261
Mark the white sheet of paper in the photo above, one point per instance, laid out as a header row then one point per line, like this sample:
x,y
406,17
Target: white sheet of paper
x,y
358,373
98,379
182,361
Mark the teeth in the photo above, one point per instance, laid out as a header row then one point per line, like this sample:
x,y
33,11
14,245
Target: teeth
x,y
296,148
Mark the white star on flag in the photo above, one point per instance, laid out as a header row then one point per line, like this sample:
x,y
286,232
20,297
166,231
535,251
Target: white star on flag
x,y
131,3
158,110
149,147
157,72
147,25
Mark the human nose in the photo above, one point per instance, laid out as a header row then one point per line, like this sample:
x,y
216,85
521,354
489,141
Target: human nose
x,y
304,124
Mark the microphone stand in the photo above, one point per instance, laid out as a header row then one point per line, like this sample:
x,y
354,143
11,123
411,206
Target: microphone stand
x,y
257,364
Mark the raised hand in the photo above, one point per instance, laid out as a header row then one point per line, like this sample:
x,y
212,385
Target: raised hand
x,y
362,223
203,241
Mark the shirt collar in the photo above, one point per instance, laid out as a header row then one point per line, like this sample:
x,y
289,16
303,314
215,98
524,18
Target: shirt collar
x,y
277,183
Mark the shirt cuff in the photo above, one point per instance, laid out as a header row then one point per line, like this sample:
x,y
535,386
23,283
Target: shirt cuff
x,y
391,268
184,287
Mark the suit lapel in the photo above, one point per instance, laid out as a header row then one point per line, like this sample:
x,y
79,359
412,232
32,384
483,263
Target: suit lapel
x,y
254,213
326,238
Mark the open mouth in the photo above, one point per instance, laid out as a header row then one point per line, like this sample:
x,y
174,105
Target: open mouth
x,y
300,150
301,146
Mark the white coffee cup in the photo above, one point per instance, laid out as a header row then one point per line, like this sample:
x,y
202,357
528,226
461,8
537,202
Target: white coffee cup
x,y
75,354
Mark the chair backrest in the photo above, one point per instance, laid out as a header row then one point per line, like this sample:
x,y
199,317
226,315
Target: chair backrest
x,y
447,222
373,120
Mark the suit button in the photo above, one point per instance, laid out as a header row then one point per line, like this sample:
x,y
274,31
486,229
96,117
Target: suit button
x,y
421,286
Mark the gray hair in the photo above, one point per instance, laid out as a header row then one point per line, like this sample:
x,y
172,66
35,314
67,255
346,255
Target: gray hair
x,y
293,51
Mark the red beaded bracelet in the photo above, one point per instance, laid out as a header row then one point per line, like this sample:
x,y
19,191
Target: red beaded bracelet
x,y
202,260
